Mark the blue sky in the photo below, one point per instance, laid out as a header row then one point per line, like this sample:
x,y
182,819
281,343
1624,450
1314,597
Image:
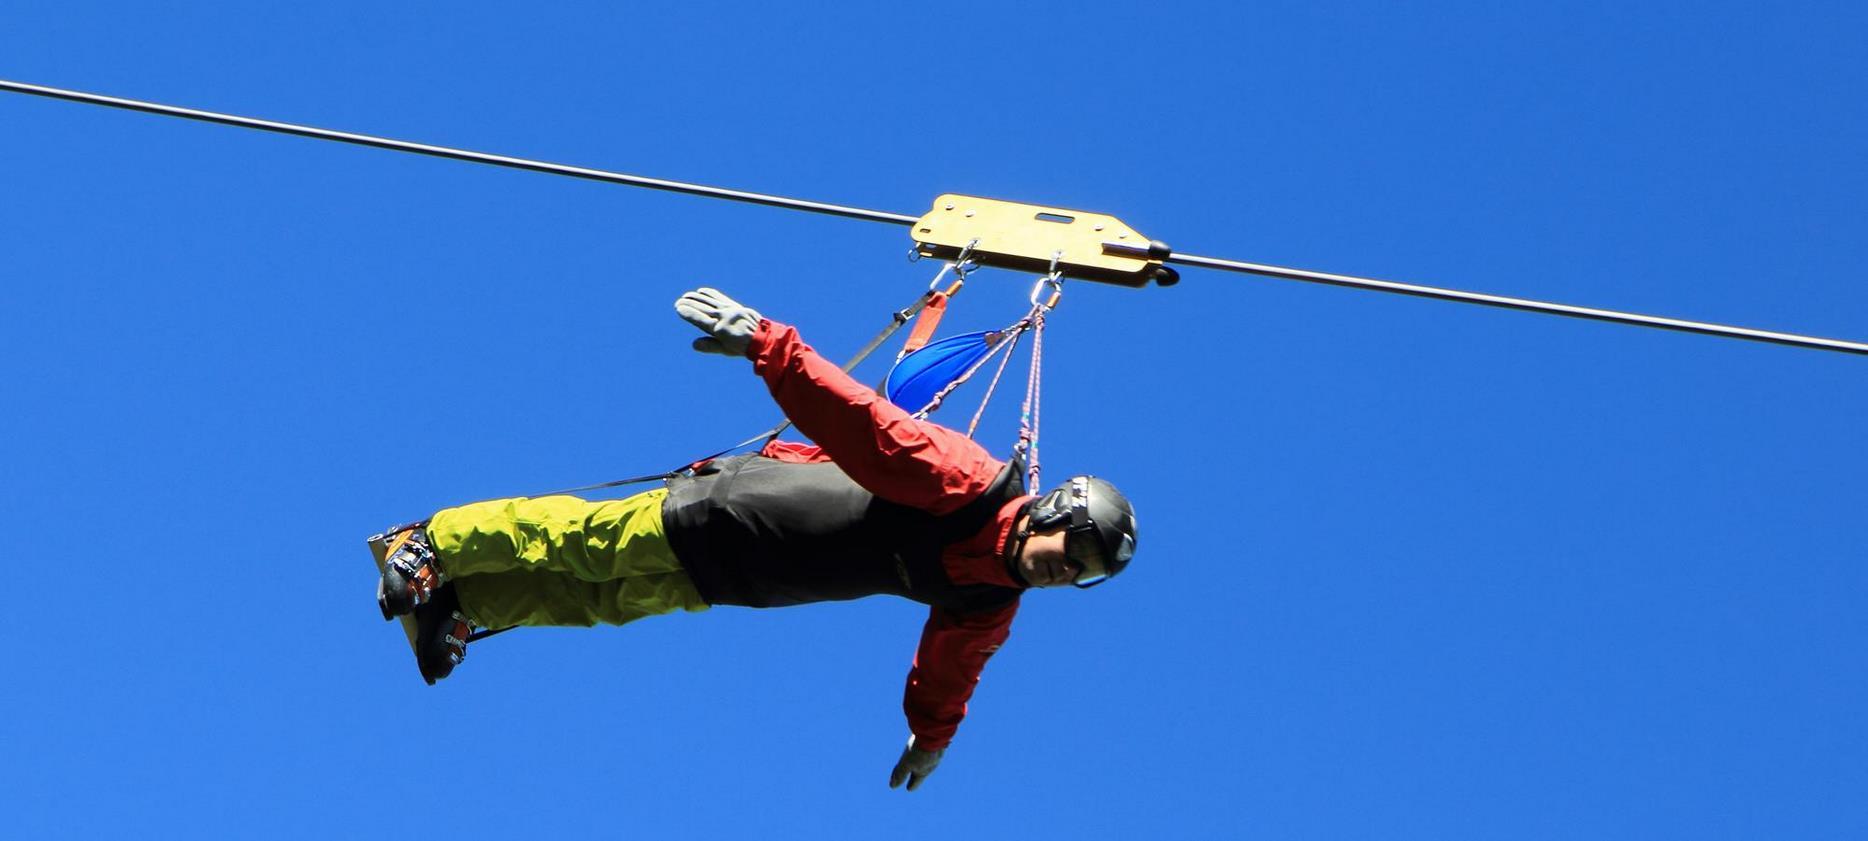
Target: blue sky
x,y
1408,569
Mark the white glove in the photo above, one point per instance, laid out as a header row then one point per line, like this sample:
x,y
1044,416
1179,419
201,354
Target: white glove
x,y
914,766
730,326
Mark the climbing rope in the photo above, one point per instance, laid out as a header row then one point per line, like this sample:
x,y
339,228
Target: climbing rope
x,y
1027,445
992,387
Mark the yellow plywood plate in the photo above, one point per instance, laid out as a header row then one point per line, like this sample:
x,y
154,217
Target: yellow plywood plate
x,y
1026,237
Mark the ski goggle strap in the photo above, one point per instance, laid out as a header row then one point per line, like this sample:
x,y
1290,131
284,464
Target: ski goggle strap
x,y
1083,542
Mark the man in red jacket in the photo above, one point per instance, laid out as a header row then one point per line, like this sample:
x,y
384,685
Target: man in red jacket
x,y
883,504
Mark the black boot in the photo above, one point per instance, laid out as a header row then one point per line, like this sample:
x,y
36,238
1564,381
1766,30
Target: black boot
x,y
441,633
411,573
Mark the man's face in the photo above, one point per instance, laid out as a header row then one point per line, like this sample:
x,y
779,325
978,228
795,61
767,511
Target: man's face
x,y
1043,563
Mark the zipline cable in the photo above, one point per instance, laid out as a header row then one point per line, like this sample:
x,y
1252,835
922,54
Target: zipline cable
x,y
458,154
1523,304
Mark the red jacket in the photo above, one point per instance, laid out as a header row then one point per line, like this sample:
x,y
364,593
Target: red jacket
x,y
911,462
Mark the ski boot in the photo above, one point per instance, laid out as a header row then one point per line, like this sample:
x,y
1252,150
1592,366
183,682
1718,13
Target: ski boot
x,y
441,634
411,574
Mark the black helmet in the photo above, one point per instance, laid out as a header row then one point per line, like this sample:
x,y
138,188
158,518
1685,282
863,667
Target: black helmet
x,y
1099,523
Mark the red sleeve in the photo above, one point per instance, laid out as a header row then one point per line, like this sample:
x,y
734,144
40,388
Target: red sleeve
x,y
954,649
911,462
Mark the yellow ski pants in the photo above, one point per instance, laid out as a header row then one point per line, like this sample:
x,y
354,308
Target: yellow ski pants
x,y
560,560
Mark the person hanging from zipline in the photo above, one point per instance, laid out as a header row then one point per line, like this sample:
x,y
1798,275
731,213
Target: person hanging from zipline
x,y
884,503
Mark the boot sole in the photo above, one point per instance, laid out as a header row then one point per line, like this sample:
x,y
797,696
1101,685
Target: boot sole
x,y
379,551
382,601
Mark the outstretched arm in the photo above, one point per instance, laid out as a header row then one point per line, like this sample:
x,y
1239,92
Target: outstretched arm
x,y
891,454
954,650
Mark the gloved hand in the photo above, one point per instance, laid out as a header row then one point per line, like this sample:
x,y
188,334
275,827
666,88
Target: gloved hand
x,y
914,766
730,326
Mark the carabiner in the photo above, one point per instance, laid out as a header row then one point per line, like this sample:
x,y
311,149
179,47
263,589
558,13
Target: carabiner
x,y
963,264
960,265
952,289
1055,280
940,275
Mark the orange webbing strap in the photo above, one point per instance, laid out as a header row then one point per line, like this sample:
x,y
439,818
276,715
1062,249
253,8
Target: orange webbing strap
x,y
932,309
925,323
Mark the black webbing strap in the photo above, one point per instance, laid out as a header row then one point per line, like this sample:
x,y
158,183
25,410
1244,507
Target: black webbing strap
x,y
483,633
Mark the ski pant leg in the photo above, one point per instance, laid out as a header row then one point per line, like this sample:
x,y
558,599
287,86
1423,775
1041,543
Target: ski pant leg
x,y
504,599
593,541
560,560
